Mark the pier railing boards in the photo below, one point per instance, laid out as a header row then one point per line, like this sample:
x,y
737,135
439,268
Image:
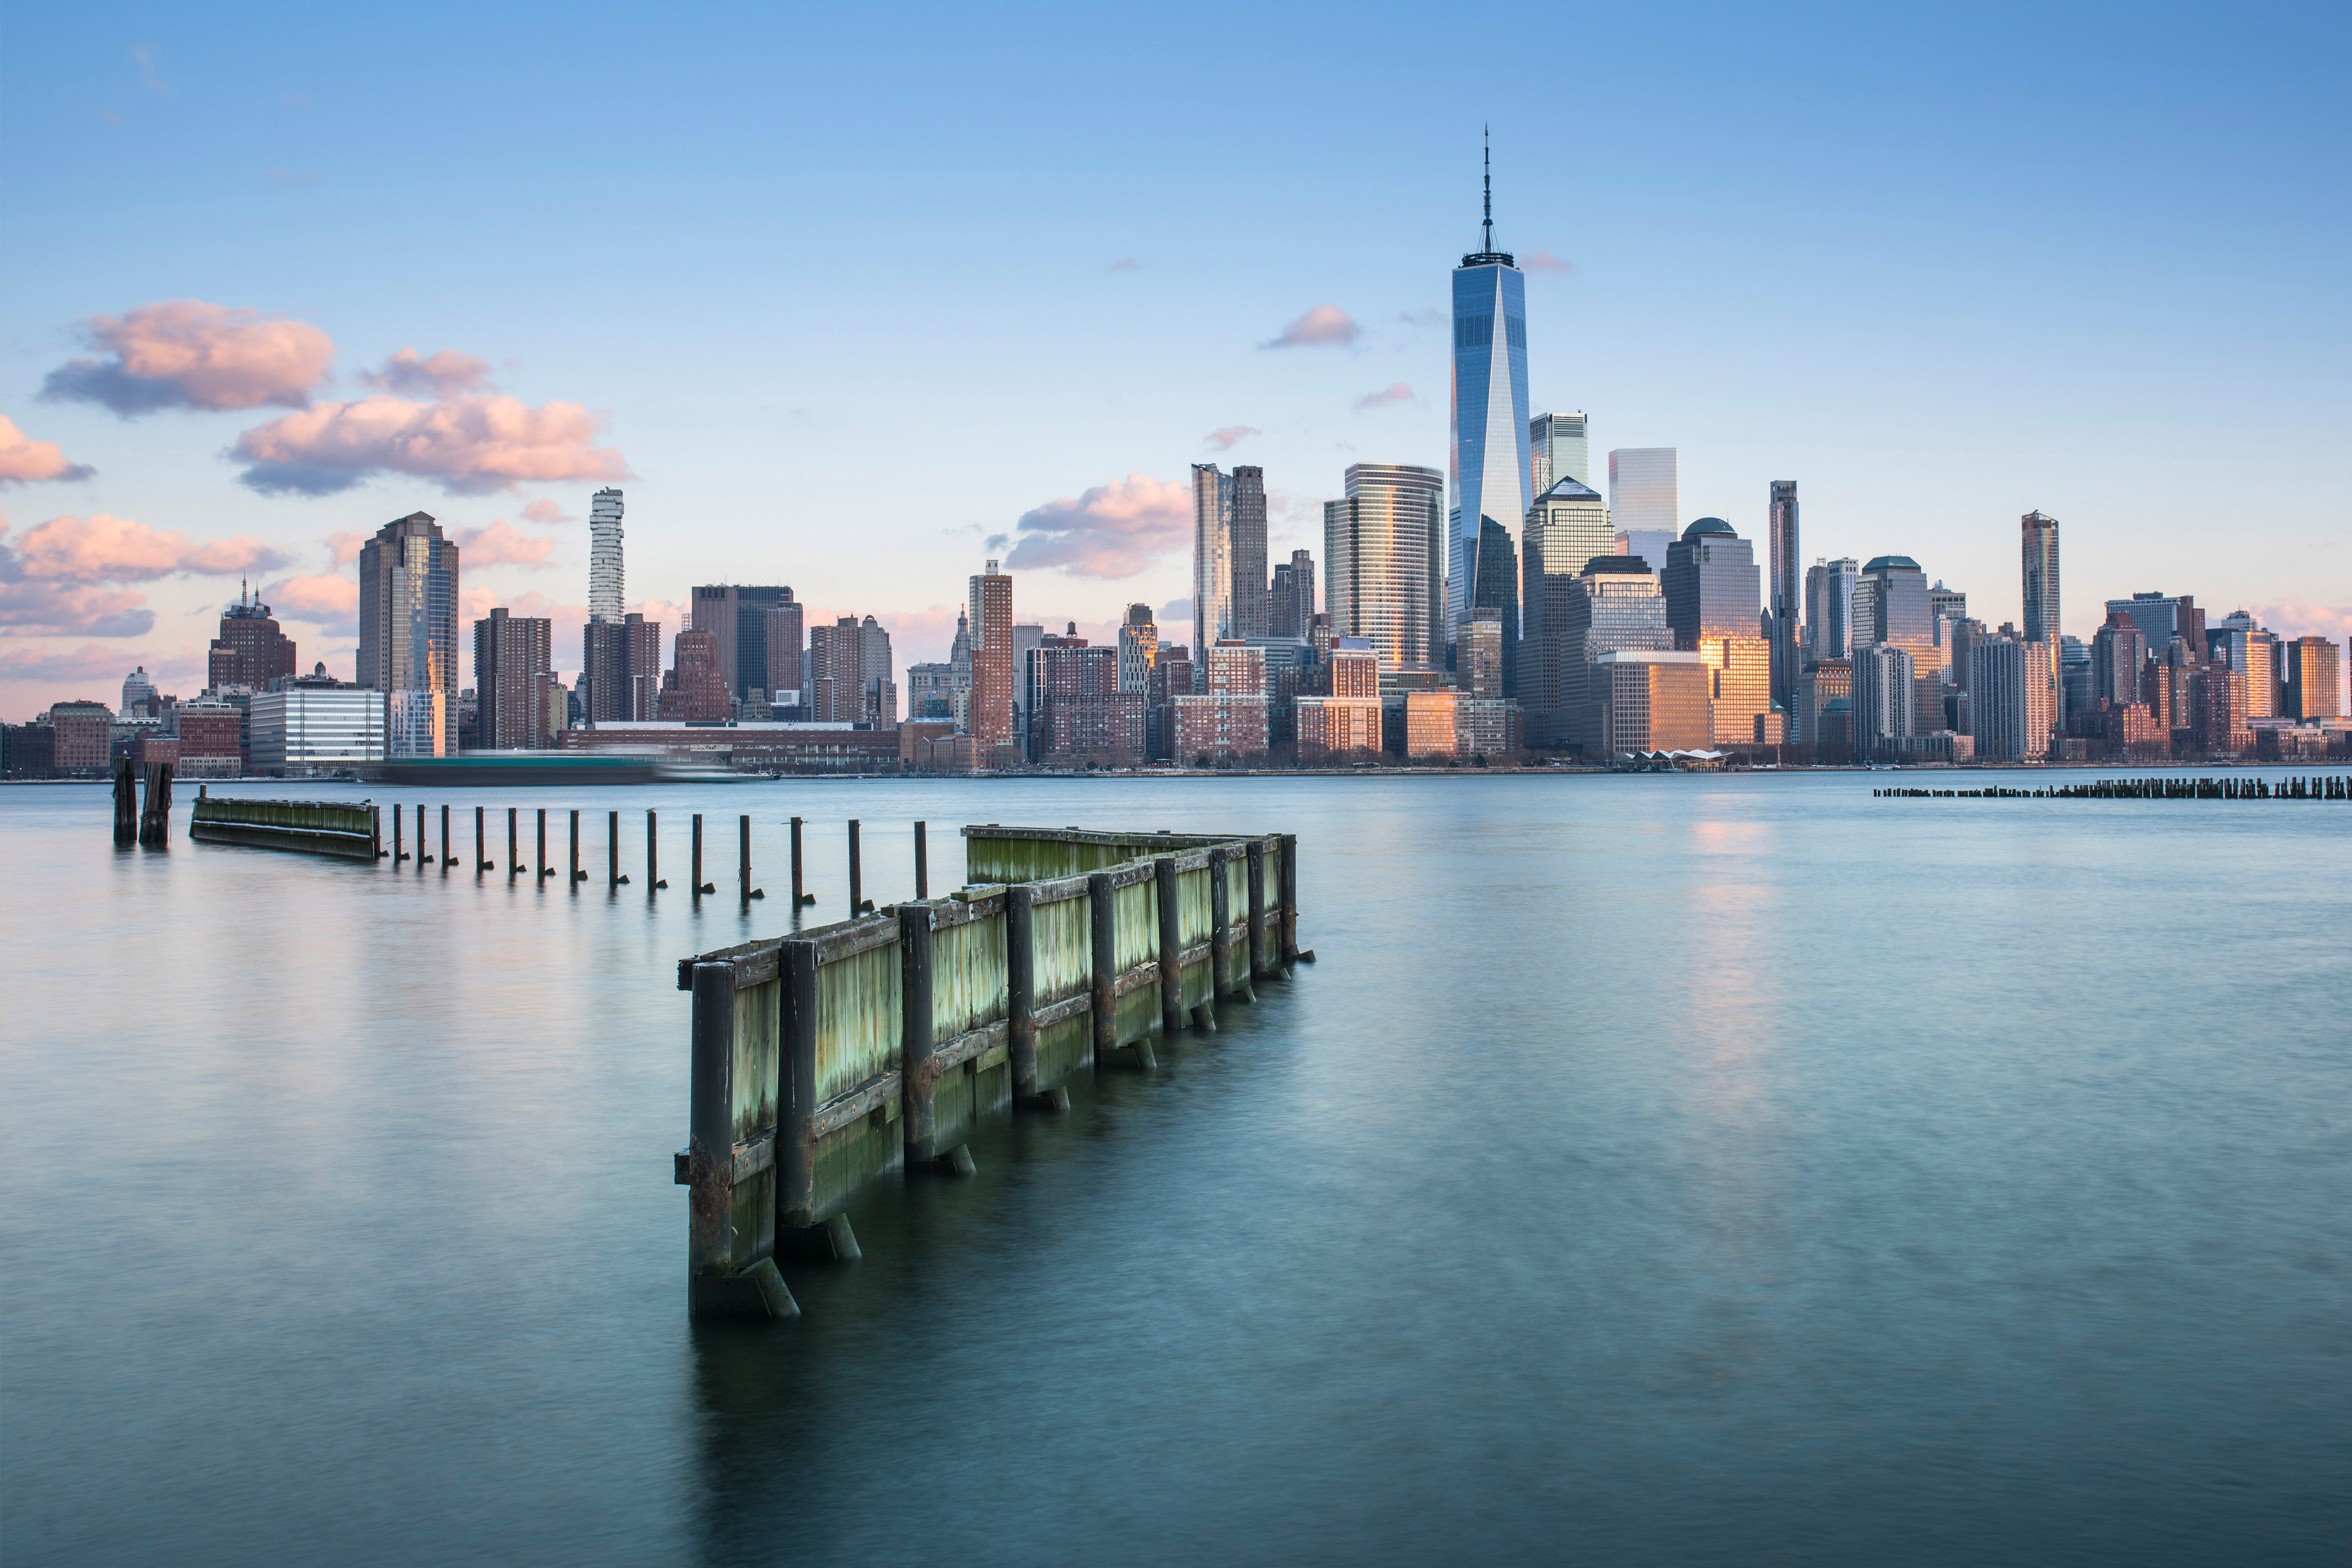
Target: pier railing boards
x,y
352,830
825,1058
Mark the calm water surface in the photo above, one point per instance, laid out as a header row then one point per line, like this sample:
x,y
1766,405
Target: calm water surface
x,y
1652,1170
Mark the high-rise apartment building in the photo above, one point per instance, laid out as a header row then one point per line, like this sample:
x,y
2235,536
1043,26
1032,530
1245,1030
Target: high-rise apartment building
x,y
621,669
2038,545
1615,605
1557,451
2315,680
1899,616
1829,608
849,674
1646,493
1213,554
1885,696
1077,712
1248,552
2162,618
408,632
987,615
250,650
1383,554
2009,700
604,585
1139,647
694,689
1787,605
1292,611
784,631
1491,474
2235,640
1229,718
2118,656
514,683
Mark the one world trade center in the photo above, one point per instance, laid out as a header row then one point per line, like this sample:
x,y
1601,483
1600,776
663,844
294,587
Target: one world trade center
x,y
1490,467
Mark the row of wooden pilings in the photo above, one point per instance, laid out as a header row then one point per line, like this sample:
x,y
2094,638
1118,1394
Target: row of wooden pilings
x,y
822,1059
2323,786
615,879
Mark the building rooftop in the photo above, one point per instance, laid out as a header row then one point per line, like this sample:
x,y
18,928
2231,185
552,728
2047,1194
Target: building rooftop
x,y
1569,489
1893,564
1709,525
1616,565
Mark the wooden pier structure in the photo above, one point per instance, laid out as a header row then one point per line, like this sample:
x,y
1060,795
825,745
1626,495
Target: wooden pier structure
x,y
823,1060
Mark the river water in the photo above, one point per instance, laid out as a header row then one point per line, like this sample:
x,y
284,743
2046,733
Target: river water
x,y
1651,1169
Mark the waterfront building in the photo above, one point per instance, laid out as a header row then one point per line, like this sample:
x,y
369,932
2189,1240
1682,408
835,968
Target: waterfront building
x,y
1291,612
515,684
1713,609
1828,606
1077,712
1248,552
605,587
1488,467
621,668
211,735
1229,718
1557,451
2009,700
2040,621
1432,723
1213,554
1899,616
1884,707
1172,677
2314,680
1783,612
311,724
1645,497
1138,646
1339,728
408,631
81,738
1383,550
1651,700
1614,606
251,650
988,616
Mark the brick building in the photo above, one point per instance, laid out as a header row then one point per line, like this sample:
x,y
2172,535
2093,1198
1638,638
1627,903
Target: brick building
x,y
251,650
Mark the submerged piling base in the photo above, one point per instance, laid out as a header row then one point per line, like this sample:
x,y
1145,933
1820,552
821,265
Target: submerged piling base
x,y
756,1293
831,1242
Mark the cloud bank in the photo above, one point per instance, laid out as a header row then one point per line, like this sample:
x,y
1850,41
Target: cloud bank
x,y
1394,392
502,544
186,353
63,577
446,375
1545,261
472,445
1323,325
25,461
1231,436
1112,531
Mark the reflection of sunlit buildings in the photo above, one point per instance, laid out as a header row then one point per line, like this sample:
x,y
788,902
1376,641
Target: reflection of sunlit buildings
x,y
1714,606
1651,700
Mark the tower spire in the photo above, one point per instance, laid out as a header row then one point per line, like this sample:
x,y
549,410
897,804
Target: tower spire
x,y
1488,133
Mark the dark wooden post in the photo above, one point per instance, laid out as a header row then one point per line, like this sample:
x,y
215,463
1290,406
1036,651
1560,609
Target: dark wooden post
x,y
613,849
918,1077
375,829
126,804
1102,932
514,845
653,857
797,899
710,1136
796,1092
1220,924
1286,891
856,878
743,855
1020,991
399,843
481,845
575,851
447,859
420,835
1260,964
697,867
922,865
544,869
1172,945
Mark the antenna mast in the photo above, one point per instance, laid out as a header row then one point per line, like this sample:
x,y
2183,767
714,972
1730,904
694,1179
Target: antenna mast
x,y
1488,132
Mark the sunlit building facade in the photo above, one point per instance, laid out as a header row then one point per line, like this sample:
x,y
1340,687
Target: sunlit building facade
x,y
1383,563
408,631
1614,606
1651,700
1899,616
1213,554
2009,700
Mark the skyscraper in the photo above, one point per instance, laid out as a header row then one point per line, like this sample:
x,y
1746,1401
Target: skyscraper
x,y
621,668
2315,681
1213,554
1885,688
2118,656
1614,605
1566,530
1292,610
989,617
1248,551
1713,608
2009,700
604,588
1381,552
1829,608
1556,450
1489,467
1646,492
408,632
514,681
251,649
1138,648
1897,603
1497,596
785,633
2038,538
1783,612
2162,618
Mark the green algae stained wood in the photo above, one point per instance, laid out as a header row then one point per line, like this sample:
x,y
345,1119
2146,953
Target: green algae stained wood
x,y
1062,934
1194,910
857,1019
1135,926
968,975
757,1017
314,815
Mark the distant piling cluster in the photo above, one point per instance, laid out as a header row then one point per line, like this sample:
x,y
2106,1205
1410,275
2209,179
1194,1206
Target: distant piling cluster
x,y
2325,786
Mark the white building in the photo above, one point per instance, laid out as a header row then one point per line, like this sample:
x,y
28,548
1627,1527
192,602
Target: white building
x,y
304,730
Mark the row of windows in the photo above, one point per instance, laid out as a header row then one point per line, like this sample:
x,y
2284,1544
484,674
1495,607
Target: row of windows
x,y
1478,332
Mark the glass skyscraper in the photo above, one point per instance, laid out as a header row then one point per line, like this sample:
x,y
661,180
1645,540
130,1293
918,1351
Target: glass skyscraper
x,y
1492,479
408,630
1557,451
1382,559
1646,492
1212,556
2039,541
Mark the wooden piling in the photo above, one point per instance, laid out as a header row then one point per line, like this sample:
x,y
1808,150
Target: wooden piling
x,y
481,845
576,853
544,870
653,860
1170,910
922,865
797,899
697,867
1286,892
514,844
857,874
917,1075
126,804
715,1287
1260,961
1220,924
743,855
1103,968
156,814
1020,992
447,859
612,849
399,850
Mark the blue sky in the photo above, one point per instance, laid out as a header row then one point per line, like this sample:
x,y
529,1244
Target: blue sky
x,y
853,291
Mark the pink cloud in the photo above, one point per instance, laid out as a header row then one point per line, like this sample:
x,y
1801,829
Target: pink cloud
x,y
1112,531
36,607
1393,393
23,460
330,603
502,544
1231,436
343,548
1324,324
1544,261
2292,618
446,375
145,60
102,549
544,511
671,615
471,445
186,353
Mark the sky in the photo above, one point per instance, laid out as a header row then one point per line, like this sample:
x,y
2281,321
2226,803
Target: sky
x,y
853,298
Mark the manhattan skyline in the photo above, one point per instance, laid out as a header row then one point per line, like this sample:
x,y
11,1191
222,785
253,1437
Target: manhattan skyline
x,y
1054,366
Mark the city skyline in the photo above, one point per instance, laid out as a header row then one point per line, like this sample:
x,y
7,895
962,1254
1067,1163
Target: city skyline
x,y
1331,363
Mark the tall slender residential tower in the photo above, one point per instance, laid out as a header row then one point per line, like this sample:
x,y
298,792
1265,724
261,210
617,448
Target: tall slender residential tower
x,y
1213,555
604,588
989,620
408,632
1382,553
2038,537
1786,602
1249,553
1491,477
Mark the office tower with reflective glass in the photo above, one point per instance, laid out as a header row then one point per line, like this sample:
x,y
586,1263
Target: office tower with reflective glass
x,y
408,631
1556,450
1891,607
1383,563
1646,492
1566,530
1615,604
1714,607
1781,614
1490,471
1213,555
